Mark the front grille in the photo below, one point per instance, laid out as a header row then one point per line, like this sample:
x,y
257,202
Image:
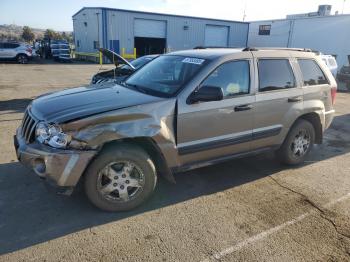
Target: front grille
x,y
28,127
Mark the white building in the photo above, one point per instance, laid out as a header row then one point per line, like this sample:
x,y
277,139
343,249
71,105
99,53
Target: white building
x,y
320,31
151,32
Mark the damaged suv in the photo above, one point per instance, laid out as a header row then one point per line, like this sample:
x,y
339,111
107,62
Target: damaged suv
x,y
183,110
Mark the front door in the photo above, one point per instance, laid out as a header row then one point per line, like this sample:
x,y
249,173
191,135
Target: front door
x,y
209,130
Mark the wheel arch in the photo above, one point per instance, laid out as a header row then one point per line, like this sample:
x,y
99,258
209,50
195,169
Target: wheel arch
x,y
22,54
152,149
315,120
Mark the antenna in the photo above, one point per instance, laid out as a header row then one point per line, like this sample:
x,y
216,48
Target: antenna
x,y
244,11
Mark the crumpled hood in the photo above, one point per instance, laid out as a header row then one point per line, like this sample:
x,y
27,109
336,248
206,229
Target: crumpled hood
x,y
75,103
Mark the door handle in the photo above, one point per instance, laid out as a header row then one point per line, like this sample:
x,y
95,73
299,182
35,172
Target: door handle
x,y
243,108
295,99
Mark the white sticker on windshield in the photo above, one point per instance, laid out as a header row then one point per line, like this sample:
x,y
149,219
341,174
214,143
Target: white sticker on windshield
x,y
190,60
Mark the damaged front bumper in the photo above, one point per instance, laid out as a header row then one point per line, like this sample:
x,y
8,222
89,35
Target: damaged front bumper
x,y
61,168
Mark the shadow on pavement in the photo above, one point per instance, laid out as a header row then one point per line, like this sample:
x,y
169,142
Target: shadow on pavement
x,y
29,215
15,105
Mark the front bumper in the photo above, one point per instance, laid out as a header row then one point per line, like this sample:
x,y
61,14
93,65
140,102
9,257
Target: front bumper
x,y
59,167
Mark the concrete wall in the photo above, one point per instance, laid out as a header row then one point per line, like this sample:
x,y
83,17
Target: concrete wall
x,y
328,34
120,26
278,35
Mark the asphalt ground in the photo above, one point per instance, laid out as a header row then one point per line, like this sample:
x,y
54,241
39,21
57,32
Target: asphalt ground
x,y
251,209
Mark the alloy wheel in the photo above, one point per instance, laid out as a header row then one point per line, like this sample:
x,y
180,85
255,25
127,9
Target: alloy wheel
x,y
120,181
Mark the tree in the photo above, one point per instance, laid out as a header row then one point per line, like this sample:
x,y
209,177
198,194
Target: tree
x,y
27,34
68,36
49,33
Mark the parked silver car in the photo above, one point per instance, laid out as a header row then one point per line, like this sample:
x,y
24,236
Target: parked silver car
x,y
15,51
181,111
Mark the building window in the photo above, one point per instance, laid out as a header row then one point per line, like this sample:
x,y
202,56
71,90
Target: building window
x,y
78,43
264,29
96,44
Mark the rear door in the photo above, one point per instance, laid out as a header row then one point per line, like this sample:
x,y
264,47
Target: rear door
x,y
11,49
209,130
279,98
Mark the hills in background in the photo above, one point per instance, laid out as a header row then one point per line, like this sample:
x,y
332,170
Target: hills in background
x,y
14,32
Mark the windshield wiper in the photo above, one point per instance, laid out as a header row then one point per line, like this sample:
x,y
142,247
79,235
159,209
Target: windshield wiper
x,y
135,87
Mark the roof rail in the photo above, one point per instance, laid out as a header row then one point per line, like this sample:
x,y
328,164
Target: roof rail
x,y
209,47
279,48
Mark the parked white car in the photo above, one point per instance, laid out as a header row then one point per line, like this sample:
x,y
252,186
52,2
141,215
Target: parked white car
x,y
331,63
15,51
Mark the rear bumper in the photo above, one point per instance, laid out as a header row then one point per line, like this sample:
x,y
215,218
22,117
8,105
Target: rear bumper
x,y
59,167
328,117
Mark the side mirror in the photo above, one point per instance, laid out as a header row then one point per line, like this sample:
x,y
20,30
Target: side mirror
x,y
206,94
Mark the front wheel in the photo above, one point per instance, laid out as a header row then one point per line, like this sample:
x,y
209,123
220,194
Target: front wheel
x,y
297,144
120,178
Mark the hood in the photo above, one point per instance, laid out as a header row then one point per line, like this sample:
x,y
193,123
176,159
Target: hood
x,y
75,103
114,58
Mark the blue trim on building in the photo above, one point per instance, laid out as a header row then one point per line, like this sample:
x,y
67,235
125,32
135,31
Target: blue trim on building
x,y
104,29
246,41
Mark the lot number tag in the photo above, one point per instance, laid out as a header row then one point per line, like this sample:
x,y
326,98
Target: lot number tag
x,y
195,61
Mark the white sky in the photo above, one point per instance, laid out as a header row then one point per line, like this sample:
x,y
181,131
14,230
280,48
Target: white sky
x,y
49,14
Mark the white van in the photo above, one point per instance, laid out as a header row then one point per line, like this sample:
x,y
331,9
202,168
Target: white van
x,y
331,63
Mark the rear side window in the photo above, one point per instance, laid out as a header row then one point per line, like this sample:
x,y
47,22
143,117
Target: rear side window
x,y
10,45
332,62
233,77
275,74
311,72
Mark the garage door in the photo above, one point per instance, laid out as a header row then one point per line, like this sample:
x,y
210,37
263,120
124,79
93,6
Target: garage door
x,y
149,28
216,35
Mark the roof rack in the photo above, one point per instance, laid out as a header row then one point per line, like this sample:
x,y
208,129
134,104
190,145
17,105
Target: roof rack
x,y
279,48
209,47
262,48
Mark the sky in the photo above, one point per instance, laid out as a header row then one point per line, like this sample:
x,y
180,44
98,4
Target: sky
x,y
57,14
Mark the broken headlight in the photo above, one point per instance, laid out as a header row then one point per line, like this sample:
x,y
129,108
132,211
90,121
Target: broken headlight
x,y
52,135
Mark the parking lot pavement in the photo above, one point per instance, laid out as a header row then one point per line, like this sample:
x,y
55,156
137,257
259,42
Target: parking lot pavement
x,y
250,209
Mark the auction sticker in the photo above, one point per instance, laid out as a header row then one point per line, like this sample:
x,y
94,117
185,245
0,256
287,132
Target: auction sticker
x,y
191,60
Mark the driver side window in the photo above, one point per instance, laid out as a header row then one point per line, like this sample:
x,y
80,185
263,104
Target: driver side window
x,y
233,77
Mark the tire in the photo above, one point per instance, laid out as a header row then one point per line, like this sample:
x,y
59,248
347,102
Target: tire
x,y
294,149
22,59
116,169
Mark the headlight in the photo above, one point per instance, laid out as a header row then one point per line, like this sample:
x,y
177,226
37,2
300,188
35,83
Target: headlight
x,y
51,135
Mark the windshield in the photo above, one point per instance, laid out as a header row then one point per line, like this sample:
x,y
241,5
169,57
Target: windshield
x,y
137,63
165,75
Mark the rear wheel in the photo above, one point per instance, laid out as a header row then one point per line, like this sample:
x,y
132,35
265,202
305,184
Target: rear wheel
x,y
297,144
22,59
120,178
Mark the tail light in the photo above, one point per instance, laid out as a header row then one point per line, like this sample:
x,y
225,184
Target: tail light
x,y
29,50
333,93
